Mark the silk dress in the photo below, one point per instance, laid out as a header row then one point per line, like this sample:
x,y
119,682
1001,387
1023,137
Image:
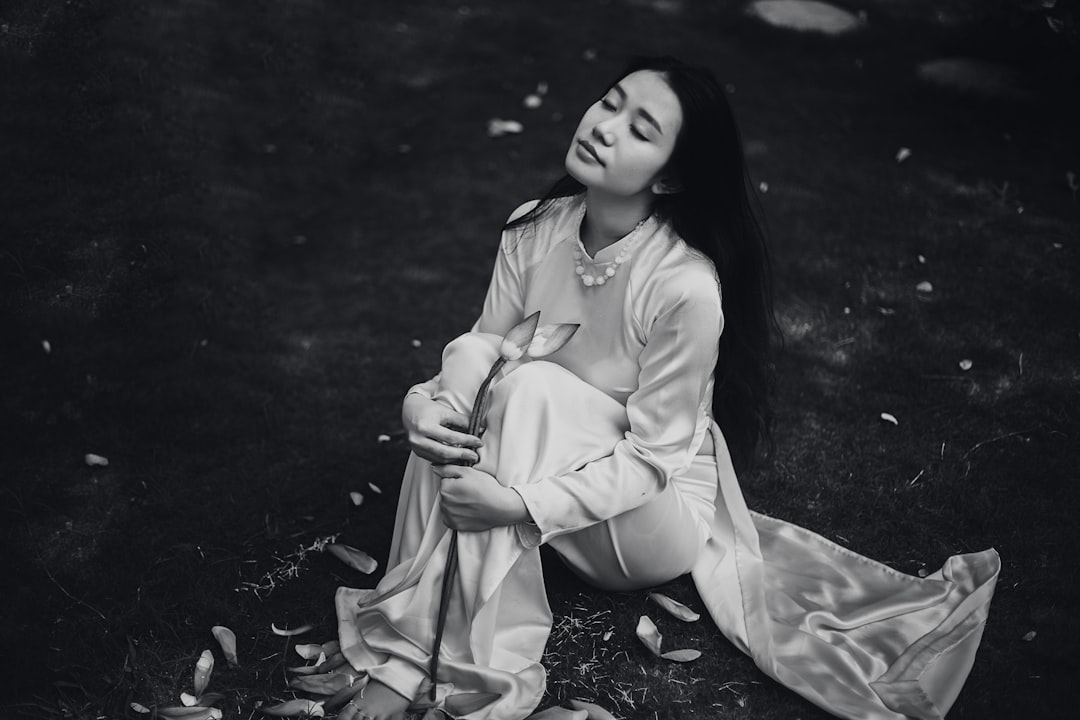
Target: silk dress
x,y
611,445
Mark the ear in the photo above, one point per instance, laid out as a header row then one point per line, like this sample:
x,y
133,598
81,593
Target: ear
x,y
666,186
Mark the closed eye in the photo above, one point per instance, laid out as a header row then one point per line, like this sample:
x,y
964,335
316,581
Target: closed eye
x,y
638,134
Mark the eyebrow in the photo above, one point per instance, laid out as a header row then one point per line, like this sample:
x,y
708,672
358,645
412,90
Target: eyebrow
x,y
644,113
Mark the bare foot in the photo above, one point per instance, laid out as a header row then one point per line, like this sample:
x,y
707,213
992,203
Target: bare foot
x,y
375,702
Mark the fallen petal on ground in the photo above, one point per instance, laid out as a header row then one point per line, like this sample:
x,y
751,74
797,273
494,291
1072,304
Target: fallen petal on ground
x,y
295,708
227,640
356,559
805,16
204,666
594,711
681,655
649,635
289,633
674,607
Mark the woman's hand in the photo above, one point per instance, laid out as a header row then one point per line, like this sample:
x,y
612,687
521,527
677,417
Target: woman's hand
x,y
429,425
472,500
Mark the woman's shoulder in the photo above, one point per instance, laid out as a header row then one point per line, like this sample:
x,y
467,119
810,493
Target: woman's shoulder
x,y
675,272
535,236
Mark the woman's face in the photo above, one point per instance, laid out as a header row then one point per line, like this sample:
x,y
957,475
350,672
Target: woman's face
x,y
625,139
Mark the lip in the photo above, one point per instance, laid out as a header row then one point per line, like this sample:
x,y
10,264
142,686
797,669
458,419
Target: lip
x,y
588,148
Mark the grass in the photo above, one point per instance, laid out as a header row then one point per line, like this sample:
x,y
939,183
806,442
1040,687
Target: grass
x,y
230,223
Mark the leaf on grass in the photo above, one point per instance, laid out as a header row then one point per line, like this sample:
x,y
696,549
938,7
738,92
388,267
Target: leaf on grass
x,y
289,633
674,607
356,559
681,655
465,703
295,708
559,713
649,635
203,667
309,652
189,713
324,684
357,498
595,711
139,708
889,417
513,346
549,339
188,700
227,640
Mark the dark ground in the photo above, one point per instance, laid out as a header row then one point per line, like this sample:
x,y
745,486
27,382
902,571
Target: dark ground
x,y
231,220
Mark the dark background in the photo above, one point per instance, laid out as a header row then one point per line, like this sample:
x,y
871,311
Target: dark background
x,y
231,222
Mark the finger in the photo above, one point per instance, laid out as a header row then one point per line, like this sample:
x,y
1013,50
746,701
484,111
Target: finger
x,y
449,436
440,454
447,471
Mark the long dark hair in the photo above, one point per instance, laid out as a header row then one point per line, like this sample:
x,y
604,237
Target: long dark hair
x,y
714,212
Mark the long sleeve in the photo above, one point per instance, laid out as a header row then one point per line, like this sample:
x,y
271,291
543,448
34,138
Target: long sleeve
x,y
682,322
505,300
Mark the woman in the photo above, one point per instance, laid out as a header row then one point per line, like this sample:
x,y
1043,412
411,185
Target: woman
x,y
611,450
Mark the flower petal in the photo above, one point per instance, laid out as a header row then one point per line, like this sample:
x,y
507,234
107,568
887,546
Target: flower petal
x,y
324,684
595,711
289,633
465,703
517,340
682,655
188,700
549,339
203,667
189,713
356,559
295,708
309,652
227,640
649,635
560,713
674,607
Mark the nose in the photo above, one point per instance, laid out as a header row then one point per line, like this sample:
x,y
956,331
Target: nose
x,y
602,133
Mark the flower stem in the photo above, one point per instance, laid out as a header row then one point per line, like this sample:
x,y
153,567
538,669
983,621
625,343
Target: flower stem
x,y
476,419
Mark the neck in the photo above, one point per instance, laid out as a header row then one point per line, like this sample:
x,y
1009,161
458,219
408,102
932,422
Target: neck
x,y
610,217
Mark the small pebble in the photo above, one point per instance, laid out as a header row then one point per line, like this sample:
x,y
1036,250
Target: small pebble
x,y
925,287
46,346
415,343
532,101
384,438
902,154
965,364
763,186
922,259
1028,636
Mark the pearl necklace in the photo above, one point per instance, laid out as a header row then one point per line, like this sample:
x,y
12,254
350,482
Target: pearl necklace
x,y
589,279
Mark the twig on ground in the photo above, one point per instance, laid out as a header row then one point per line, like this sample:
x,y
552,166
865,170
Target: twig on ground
x,y
81,602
